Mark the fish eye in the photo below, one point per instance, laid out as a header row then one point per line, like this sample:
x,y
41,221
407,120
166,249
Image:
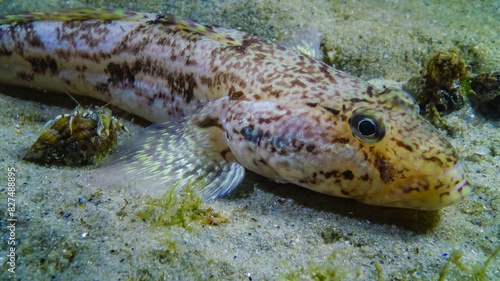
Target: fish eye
x,y
366,127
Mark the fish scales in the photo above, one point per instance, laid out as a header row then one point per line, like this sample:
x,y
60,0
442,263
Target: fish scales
x,y
233,100
118,61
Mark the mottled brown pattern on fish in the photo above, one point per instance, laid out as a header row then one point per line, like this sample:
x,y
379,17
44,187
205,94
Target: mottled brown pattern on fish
x,y
283,114
91,32
42,64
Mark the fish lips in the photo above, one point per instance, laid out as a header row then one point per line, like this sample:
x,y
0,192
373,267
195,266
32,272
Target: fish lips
x,y
424,192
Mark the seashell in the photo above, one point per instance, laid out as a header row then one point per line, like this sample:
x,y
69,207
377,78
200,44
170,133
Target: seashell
x,y
76,139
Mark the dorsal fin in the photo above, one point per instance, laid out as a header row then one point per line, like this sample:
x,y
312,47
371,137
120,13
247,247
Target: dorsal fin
x,y
306,41
76,14
81,14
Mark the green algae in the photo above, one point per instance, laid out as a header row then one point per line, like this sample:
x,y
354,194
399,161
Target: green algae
x,y
455,269
180,207
335,268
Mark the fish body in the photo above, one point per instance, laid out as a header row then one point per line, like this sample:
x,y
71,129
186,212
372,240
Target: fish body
x,y
228,101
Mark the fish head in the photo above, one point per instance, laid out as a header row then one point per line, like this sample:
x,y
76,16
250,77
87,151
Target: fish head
x,y
379,151
410,163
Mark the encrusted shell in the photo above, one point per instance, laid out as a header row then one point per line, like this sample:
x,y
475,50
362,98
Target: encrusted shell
x,y
76,139
486,96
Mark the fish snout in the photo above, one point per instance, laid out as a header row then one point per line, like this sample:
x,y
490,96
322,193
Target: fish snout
x,y
424,190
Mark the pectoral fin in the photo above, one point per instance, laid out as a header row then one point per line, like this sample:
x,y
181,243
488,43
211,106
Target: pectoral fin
x,y
170,153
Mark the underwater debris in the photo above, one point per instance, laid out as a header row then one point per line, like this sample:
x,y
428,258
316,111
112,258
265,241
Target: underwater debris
x,y
437,90
485,94
76,139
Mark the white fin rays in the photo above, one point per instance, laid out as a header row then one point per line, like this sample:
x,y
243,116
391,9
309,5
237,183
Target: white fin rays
x,y
306,41
168,154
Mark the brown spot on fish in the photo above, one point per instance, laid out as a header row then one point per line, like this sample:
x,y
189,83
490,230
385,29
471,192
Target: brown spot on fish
x,y
40,64
383,168
433,159
137,66
313,80
31,36
356,100
248,41
276,93
369,91
325,69
269,89
365,177
340,140
402,144
281,48
270,119
34,41
332,110
25,76
310,147
224,153
282,152
81,68
438,186
328,175
312,104
190,62
258,58
208,122
91,32
179,83
102,87
205,80
222,78
163,41
130,44
119,73
348,175
235,95
417,146
297,145
297,82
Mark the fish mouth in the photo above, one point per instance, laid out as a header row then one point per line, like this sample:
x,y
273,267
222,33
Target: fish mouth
x,y
447,188
458,191
425,192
